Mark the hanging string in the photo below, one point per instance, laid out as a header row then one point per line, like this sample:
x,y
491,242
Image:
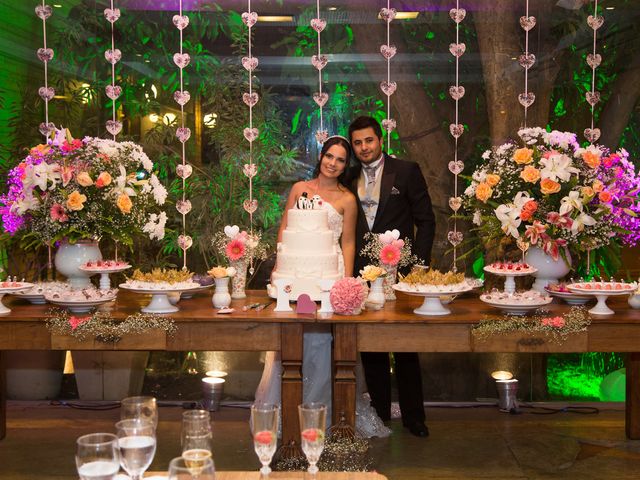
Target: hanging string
x,y
388,87
319,61
113,56
594,59
526,61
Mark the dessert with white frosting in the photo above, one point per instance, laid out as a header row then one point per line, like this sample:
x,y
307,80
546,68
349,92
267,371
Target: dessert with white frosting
x,y
510,268
105,265
90,294
530,297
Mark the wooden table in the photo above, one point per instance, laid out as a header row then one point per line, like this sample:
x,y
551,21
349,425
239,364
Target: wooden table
x,y
397,329
294,475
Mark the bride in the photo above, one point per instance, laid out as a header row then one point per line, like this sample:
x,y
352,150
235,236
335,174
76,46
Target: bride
x,y
341,206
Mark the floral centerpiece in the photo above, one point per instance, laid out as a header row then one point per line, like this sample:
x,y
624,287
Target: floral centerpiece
x,y
221,297
84,189
375,275
347,296
550,193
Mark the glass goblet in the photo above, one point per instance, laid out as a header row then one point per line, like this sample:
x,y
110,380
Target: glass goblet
x,y
264,428
145,408
196,438
312,425
137,443
97,456
182,469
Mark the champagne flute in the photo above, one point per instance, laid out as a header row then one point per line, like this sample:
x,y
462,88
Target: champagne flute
x,y
179,469
264,428
97,456
196,439
312,424
145,408
137,443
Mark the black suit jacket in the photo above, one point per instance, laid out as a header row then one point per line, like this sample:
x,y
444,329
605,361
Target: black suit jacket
x,y
404,204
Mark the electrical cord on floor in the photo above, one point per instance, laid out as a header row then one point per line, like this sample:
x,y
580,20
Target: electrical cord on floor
x,y
553,411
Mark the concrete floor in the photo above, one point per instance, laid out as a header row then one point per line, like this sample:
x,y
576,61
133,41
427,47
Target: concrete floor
x,y
464,443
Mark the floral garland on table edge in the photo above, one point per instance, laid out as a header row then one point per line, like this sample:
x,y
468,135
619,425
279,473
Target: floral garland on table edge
x,y
388,250
556,328
102,326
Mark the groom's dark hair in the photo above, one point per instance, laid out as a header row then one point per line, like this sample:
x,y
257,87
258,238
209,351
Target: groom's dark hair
x,y
363,122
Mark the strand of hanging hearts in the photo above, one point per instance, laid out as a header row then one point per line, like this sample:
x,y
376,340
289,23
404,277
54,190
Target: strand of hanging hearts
x,y
319,61
113,56
526,61
45,55
388,87
594,60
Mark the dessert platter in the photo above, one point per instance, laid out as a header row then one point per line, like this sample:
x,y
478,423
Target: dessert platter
x,y
104,268
510,270
433,285
159,283
602,290
35,294
517,303
560,290
11,286
81,301
205,282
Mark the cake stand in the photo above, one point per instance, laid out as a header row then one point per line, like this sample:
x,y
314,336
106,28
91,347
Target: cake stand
x,y
510,276
80,306
432,304
569,297
159,297
515,307
601,295
105,281
10,287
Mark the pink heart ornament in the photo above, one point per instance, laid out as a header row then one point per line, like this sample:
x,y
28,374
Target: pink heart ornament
x,y
388,88
250,98
592,98
250,63
456,166
46,128
45,54
112,14
455,203
43,11
113,56
526,99
456,129
185,242
457,14
592,134
389,124
526,60
457,49
456,92
113,91
595,22
321,136
594,61
320,98
183,134
46,93
250,206
318,24
455,238
305,305
250,170
180,21
319,61
388,51
527,23
183,206
181,59
114,127
250,133
249,18
387,14
181,97
184,171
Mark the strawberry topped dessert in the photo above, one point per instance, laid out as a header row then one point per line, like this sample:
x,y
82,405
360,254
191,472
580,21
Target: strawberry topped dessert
x,y
510,268
105,265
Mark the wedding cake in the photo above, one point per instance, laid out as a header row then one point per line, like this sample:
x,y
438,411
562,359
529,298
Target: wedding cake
x,y
307,252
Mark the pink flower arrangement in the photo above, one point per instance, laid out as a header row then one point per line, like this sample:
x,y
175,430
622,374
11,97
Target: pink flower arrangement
x,y
237,245
58,213
347,296
555,322
390,255
388,249
235,249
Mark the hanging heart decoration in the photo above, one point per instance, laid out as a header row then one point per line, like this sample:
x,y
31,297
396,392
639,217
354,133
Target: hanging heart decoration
x,y
185,242
456,129
527,60
250,133
43,11
114,127
388,88
319,61
318,24
322,136
457,49
112,14
250,99
594,60
249,18
595,22
389,124
181,97
455,238
180,21
526,99
388,51
457,14
320,98
113,56
523,245
46,93
184,171
250,63
113,91
388,14
46,129
456,92
456,166
250,205
181,59
527,23
45,54
455,203
183,206
592,98
592,134
183,134
250,170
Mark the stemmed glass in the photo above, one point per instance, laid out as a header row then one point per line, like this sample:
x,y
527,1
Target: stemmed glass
x,y
196,439
180,469
312,424
137,443
264,428
97,456
144,408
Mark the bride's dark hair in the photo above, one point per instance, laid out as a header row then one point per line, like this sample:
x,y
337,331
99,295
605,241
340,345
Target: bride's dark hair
x,y
331,141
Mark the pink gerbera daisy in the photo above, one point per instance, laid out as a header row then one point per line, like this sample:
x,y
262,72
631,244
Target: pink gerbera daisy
x,y
58,213
390,255
235,249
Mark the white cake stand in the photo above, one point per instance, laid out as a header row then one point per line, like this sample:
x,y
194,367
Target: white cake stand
x,y
601,307
4,290
432,304
79,306
510,277
105,281
516,308
159,297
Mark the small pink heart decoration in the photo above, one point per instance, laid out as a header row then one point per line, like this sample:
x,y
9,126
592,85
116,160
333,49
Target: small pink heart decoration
x,y
112,14
43,11
114,127
183,133
249,18
526,60
250,133
46,93
388,51
388,88
389,124
250,169
592,134
181,59
456,166
318,24
592,98
594,61
45,54
183,206
387,14
522,245
185,242
180,21
250,98
457,14
113,91
456,129
455,238
526,99
113,56
455,203
456,92
181,97
305,305
46,128
457,49
319,61
250,63
321,136
527,23
320,98
595,22
184,171
250,205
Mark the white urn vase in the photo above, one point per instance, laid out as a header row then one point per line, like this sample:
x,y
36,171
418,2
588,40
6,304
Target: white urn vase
x,y
376,298
549,270
70,256
221,296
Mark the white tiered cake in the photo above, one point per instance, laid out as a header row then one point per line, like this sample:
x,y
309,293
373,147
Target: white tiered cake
x,y
307,252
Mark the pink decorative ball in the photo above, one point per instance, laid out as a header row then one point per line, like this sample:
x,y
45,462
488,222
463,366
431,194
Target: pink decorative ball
x,y
347,296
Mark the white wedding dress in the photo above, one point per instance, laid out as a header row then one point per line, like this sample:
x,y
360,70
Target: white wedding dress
x,y
316,364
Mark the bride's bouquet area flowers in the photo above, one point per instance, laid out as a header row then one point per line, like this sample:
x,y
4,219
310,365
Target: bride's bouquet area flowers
x,y
551,193
84,189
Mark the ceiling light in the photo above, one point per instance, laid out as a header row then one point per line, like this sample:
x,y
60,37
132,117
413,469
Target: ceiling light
x,y
55,5
609,8
332,9
154,117
501,375
275,18
404,15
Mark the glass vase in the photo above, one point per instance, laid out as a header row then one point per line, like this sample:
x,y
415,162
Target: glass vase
x,y
239,280
389,281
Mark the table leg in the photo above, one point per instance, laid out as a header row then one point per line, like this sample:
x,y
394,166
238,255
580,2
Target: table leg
x,y
632,406
291,353
3,397
345,357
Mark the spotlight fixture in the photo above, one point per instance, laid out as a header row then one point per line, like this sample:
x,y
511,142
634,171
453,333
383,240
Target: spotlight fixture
x,y
275,18
501,375
404,15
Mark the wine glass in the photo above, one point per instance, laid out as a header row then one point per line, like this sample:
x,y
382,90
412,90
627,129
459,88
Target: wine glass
x,y
196,439
264,428
137,443
139,407
182,469
97,456
312,424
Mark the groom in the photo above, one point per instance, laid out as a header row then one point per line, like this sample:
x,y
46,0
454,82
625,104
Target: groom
x,y
391,194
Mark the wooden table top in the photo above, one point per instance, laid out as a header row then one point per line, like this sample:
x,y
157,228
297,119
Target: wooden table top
x,y
291,475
